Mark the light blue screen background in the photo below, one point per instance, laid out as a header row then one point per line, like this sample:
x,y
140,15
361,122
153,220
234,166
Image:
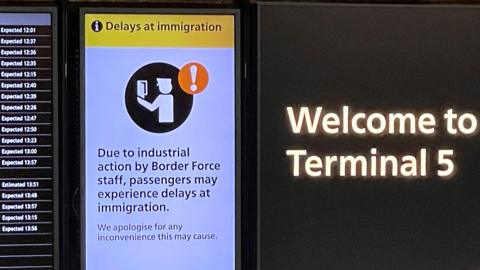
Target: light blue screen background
x,y
27,19
209,131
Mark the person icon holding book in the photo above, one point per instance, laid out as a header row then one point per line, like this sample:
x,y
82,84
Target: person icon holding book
x,y
163,102
155,100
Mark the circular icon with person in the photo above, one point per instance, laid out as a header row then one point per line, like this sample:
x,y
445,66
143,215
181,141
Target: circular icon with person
x,y
155,100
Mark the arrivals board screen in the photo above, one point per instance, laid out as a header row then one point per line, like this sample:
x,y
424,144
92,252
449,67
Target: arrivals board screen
x,y
159,140
27,139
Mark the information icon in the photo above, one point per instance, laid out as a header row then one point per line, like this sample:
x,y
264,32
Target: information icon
x,y
97,26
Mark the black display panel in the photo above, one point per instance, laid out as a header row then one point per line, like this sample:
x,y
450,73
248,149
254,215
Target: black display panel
x,y
368,137
27,139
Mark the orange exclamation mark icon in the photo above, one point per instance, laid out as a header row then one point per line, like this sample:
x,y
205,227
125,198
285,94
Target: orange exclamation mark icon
x,y
193,78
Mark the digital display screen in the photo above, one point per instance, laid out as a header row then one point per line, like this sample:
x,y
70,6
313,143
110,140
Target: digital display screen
x,y
368,138
159,141
27,178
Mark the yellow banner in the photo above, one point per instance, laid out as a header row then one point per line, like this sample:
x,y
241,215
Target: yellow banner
x,y
159,30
